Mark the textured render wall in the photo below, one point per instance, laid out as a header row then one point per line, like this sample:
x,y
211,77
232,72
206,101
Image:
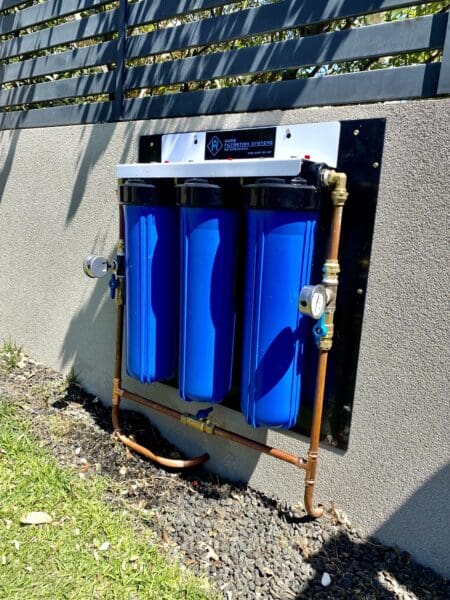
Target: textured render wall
x,y
57,204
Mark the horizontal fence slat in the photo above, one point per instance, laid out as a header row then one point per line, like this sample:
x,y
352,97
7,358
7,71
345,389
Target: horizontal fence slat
x,y
93,26
254,21
10,4
148,11
401,83
352,44
81,58
78,114
88,85
40,13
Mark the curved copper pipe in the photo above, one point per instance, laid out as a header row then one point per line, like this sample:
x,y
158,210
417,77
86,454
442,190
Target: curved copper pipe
x,y
160,460
313,511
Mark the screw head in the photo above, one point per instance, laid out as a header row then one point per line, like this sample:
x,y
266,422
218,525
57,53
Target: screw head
x,y
376,165
356,132
360,291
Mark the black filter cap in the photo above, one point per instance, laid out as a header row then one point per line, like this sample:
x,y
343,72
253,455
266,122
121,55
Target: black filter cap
x,y
143,192
277,193
199,193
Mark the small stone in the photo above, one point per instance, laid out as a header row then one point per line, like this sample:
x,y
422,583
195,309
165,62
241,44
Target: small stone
x,y
326,579
36,518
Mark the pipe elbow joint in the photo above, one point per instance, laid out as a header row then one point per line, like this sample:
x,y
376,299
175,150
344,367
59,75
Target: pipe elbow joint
x,y
337,182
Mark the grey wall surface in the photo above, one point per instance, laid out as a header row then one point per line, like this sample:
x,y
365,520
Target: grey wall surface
x,y
57,204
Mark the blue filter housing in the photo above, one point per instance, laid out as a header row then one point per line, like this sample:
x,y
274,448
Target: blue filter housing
x,y
208,306
281,226
151,282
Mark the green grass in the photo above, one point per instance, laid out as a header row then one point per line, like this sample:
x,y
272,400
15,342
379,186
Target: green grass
x,y
11,354
64,559
71,379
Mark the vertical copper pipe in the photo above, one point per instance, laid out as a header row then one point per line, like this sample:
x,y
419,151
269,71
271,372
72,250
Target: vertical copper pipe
x,y
338,183
335,233
313,453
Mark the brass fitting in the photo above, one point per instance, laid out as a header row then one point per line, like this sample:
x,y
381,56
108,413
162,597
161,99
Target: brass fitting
x,y
204,425
326,341
116,392
119,291
337,182
330,271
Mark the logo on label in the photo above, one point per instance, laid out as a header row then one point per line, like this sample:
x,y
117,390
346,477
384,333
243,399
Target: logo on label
x,y
215,146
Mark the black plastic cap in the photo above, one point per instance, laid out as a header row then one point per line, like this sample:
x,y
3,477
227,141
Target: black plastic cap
x,y
143,193
199,193
277,193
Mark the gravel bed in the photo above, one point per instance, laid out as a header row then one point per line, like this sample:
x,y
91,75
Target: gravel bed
x,y
250,546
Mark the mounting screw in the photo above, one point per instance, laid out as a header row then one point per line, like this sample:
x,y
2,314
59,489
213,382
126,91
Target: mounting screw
x,y
356,132
152,144
376,165
360,291
288,134
195,140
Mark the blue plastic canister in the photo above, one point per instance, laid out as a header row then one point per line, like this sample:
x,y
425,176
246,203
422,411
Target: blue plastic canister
x,y
281,224
151,281
208,305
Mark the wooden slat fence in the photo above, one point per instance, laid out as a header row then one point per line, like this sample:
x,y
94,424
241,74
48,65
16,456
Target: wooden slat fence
x,y
84,61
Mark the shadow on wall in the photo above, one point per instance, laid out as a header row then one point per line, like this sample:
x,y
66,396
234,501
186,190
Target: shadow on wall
x,y
7,162
89,342
425,517
89,154
420,523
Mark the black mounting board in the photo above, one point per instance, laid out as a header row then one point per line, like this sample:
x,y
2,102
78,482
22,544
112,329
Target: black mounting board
x,y
360,156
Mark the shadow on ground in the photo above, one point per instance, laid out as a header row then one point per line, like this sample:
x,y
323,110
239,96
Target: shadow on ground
x,y
358,567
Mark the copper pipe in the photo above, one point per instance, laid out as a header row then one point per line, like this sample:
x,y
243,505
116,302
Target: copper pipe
x,y
166,462
338,184
165,410
313,453
215,430
160,460
275,452
335,233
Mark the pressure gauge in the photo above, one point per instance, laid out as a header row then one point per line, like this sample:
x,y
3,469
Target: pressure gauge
x,y
313,301
95,266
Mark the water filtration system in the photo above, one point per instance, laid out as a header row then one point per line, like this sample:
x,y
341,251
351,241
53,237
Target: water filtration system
x,y
217,273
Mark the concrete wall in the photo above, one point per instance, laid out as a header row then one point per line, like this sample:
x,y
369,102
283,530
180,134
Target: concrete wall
x,y
57,204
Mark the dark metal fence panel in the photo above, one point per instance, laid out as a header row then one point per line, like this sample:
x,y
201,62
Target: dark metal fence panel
x,y
96,112
85,54
283,15
353,44
81,58
89,85
404,83
74,31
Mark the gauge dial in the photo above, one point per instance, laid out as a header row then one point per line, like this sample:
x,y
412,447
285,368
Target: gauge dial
x,y
312,301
